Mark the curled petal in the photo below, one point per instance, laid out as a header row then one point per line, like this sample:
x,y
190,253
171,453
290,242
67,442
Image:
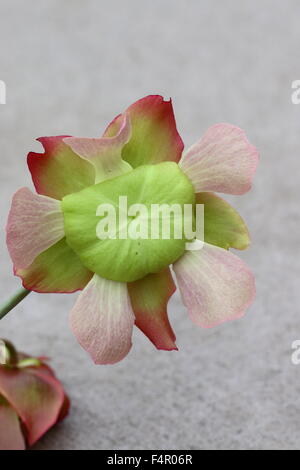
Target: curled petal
x,y
154,134
215,285
44,371
57,269
223,161
59,171
104,153
11,437
34,224
223,226
149,297
64,409
37,400
102,320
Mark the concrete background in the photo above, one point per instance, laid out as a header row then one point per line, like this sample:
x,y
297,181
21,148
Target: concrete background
x,y
70,67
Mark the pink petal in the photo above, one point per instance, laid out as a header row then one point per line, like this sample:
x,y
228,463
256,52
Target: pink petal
x,y
45,372
11,437
215,285
34,224
57,269
102,320
37,398
59,171
155,137
64,411
104,153
223,160
149,298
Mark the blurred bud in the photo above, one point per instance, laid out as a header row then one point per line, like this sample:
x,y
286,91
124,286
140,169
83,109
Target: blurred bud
x,y
32,400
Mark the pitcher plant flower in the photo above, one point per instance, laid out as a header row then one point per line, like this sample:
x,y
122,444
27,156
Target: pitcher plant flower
x,y
52,234
32,400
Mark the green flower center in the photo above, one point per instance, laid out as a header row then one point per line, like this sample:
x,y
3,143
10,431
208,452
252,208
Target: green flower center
x,y
127,227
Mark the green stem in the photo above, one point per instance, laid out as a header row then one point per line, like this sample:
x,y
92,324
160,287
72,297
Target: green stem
x,y
13,301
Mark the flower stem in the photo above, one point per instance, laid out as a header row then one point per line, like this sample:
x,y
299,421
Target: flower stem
x,y
13,301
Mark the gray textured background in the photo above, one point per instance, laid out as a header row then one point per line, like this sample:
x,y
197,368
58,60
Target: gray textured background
x,y
70,67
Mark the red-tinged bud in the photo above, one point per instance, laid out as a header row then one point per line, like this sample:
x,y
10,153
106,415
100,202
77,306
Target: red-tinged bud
x,y
32,400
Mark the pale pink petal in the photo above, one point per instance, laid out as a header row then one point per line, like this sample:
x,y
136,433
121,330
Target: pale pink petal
x,y
105,152
102,320
223,161
34,224
215,285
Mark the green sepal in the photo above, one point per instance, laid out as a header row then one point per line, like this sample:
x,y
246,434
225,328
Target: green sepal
x,y
223,226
